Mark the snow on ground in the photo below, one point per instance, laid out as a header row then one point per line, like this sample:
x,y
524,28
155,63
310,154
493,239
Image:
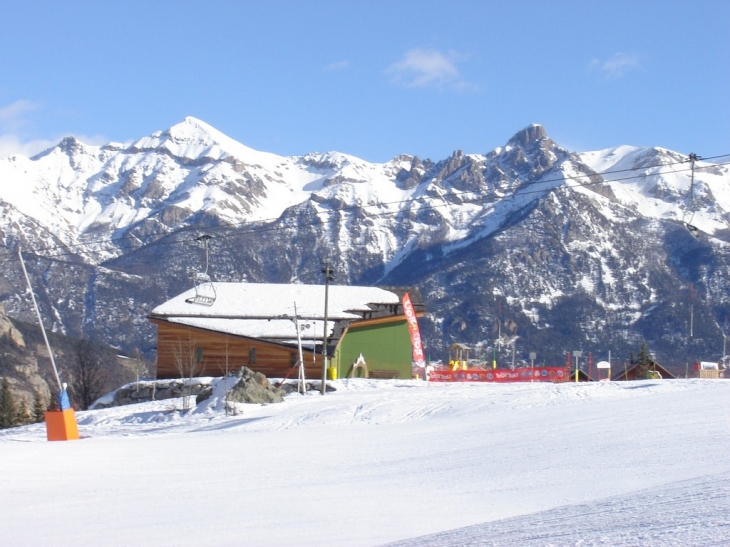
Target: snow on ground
x,y
377,462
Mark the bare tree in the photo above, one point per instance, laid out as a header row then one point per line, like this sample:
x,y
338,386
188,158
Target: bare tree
x,y
225,367
139,367
188,357
87,374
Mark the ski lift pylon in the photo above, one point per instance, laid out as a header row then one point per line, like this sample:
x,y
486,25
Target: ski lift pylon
x,y
693,230
204,289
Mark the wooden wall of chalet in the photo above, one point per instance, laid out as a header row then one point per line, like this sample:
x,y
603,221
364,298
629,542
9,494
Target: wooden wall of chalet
x,y
180,343
632,373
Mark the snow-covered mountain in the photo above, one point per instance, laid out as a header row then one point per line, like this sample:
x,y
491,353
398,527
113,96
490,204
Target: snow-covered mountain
x,y
564,250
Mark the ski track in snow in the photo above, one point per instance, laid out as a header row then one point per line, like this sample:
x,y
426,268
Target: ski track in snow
x,y
688,513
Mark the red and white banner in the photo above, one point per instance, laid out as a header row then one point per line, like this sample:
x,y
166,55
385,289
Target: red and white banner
x,y
538,374
418,357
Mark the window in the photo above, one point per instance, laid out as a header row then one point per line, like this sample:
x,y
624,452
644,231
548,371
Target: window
x,y
251,356
293,359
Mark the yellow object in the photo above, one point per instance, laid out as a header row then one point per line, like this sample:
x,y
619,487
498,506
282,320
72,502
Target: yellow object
x,y
61,425
457,364
332,373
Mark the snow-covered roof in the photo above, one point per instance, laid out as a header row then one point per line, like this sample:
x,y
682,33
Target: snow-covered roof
x,y
266,310
282,330
271,300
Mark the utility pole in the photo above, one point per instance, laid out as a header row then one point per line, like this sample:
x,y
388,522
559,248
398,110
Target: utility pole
x,y
609,365
301,382
577,354
328,276
724,343
692,159
498,342
690,227
691,309
532,365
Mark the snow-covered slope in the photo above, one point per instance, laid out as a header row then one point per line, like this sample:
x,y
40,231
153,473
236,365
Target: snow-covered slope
x,y
170,179
611,464
661,184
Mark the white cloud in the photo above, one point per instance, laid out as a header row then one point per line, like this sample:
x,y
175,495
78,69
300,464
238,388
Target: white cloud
x,y
13,116
339,65
428,68
617,66
15,121
11,145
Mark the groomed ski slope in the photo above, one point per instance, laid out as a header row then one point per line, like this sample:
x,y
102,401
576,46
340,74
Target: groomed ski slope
x,y
378,462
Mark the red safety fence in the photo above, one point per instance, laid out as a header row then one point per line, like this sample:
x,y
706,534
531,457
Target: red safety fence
x,y
538,374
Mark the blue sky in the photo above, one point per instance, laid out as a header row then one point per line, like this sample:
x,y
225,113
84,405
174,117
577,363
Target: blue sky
x,y
374,79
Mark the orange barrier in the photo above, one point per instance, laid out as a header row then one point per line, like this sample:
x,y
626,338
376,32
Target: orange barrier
x,y
61,425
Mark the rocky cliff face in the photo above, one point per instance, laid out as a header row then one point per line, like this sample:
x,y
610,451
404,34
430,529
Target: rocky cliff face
x,y
562,250
25,363
19,364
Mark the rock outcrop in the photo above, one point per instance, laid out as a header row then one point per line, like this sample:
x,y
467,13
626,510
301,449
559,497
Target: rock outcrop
x,y
8,329
254,388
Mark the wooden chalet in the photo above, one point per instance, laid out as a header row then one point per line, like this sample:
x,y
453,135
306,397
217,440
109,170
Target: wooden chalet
x,y
631,372
255,325
583,376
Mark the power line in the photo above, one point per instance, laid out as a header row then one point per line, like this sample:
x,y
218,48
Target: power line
x,y
260,226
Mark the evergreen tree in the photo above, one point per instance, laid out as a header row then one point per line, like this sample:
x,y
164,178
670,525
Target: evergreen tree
x,y
53,401
7,406
39,408
643,361
22,415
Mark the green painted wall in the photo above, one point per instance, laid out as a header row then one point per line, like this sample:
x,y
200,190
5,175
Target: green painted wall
x,y
384,347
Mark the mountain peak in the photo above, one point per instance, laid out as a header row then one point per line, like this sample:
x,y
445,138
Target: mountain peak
x,y
192,127
68,145
193,131
531,133
193,138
